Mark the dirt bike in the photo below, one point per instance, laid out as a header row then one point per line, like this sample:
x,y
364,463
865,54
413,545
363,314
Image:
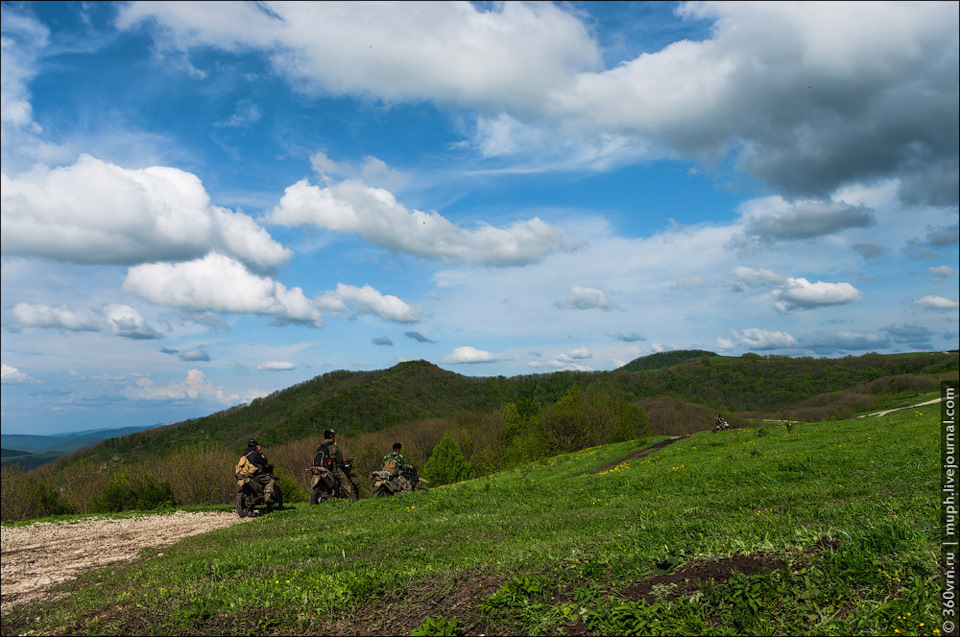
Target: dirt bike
x,y
723,425
386,483
324,484
250,494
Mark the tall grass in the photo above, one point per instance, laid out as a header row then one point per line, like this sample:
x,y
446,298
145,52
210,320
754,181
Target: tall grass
x,y
843,514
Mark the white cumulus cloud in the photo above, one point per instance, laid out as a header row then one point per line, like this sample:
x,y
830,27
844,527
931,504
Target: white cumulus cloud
x,y
934,302
580,298
467,354
759,339
117,319
11,375
194,387
94,212
801,294
375,215
221,284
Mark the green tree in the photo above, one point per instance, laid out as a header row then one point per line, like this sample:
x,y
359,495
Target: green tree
x,y
447,464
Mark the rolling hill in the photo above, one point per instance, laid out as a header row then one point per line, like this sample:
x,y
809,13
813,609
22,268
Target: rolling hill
x,y
354,402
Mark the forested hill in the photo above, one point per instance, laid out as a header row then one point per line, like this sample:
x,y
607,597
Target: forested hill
x,y
664,359
350,402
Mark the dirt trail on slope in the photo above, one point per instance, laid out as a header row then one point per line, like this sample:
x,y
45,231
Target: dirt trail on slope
x,y
35,557
642,452
887,411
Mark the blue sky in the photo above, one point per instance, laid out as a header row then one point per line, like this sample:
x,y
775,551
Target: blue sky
x,y
203,203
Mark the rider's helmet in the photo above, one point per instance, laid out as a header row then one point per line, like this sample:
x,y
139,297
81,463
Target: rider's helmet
x,y
252,443
328,433
397,446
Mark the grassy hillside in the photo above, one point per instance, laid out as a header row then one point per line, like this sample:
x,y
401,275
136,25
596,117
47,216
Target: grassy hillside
x,y
353,402
813,528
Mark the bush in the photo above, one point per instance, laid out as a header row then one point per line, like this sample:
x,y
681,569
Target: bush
x,y
597,415
140,494
289,486
24,497
447,464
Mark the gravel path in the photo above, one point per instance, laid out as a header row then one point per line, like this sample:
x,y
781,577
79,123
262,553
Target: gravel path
x,y
34,557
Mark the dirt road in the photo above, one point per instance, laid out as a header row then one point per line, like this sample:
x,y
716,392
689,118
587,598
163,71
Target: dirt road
x,y
34,557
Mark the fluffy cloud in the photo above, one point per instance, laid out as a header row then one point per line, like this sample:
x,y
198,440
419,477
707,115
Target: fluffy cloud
x,y
801,294
376,215
221,284
744,277
808,220
125,321
469,355
585,299
513,54
938,303
196,355
367,300
94,212
195,386
800,106
758,339
11,375
942,271
381,340
117,319
805,97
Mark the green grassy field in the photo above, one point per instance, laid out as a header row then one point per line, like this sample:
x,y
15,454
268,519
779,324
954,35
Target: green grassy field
x,y
812,528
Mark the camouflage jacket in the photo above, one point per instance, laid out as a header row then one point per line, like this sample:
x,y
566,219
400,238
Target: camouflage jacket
x,y
398,458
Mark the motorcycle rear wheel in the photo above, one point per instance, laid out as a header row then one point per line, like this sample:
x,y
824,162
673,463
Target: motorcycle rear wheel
x,y
318,496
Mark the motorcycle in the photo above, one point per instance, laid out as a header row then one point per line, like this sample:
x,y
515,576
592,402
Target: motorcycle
x,y
324,484
722,425
386,483
250,495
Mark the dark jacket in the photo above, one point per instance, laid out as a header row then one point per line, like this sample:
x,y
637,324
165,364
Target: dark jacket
x,y
258,459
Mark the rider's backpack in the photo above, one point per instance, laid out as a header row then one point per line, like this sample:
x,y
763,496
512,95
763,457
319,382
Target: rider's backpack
x,y
245,467
322,457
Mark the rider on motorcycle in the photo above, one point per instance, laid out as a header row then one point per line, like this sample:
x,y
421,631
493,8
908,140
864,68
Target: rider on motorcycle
x,y
406,475
329,449
264,474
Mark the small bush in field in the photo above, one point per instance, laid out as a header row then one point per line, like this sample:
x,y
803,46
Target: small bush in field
x,y
446,464
289,486
142,493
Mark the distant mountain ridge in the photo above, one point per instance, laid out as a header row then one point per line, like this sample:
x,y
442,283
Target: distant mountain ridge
x,y
62,443
354,402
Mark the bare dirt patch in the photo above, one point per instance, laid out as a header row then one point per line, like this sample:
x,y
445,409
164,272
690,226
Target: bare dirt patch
x,y
33,558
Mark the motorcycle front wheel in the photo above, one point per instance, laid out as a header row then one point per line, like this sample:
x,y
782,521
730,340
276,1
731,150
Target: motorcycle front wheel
x,y
245,507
